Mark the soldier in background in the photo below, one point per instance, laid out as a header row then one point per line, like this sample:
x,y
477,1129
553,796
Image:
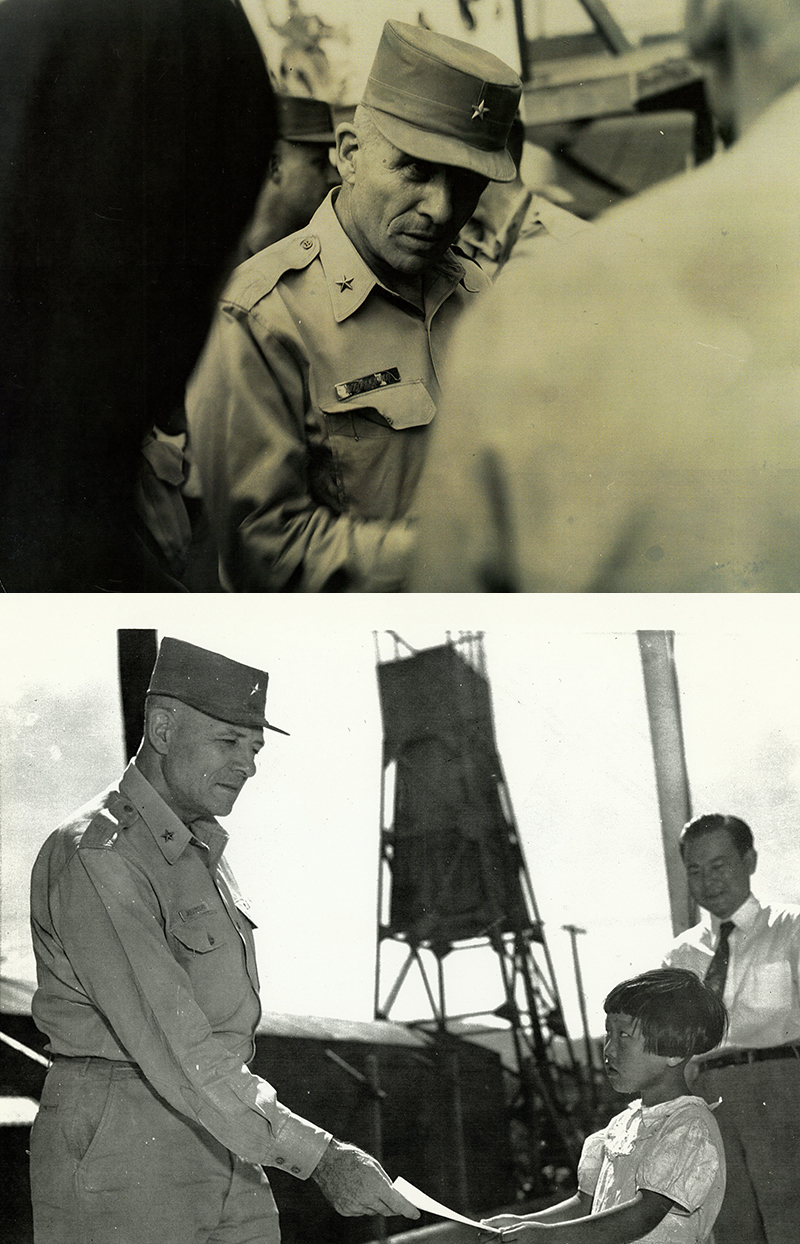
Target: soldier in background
x,y
299,175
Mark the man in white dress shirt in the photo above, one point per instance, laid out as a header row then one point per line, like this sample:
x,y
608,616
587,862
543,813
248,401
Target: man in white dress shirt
x,y
751,954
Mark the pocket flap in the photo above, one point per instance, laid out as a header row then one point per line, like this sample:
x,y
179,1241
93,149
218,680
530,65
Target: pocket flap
x,y
397,406
198,938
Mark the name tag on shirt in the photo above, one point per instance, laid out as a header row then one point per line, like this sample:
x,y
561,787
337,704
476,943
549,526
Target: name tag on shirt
x,y
189,913
367,384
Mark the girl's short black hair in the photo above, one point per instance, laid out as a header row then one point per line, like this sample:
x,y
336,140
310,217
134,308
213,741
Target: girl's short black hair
x,y
678,1015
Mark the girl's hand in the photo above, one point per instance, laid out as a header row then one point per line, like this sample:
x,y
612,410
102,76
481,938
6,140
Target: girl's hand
x,y
517,1231
512,1226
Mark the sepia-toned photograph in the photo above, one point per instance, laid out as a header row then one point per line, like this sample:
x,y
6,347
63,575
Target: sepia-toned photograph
x,y
457,296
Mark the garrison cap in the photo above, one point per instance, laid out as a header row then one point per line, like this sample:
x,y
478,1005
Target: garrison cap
x,y
303,120
212,684
443,100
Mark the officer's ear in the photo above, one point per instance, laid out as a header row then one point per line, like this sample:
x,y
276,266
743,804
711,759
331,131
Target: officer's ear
x,y
159,726
347,149
275,164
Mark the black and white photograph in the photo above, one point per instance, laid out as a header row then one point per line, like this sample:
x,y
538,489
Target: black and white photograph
x,y
279,885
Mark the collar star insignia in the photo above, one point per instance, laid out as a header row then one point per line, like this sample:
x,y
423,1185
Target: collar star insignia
x,y
168,835
345,282
479,110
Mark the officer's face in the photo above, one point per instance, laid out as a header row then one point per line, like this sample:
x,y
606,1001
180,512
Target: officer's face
x,y
718,876
404,212
206,763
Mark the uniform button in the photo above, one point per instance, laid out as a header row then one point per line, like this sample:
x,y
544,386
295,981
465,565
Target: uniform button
x,y
211,941
307,243
280,1161
295,1170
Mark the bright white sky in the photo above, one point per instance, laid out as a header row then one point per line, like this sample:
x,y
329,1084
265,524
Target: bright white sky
x,y
572,732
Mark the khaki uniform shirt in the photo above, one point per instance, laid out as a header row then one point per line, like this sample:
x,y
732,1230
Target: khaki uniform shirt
x,y
144,953
309,412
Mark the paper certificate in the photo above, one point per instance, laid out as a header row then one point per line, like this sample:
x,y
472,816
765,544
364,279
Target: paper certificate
x,y
427,1203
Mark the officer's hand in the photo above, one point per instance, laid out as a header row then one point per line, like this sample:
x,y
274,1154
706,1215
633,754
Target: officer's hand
x,y
355,1183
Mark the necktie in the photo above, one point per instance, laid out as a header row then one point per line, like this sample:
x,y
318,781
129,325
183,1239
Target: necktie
x,y
718,967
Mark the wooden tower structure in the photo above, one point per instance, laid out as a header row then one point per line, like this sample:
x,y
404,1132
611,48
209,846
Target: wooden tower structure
x,y
454,882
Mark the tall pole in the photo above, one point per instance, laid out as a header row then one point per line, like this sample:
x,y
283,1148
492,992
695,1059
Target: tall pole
x,y
672,780
522,41
136,657
573,931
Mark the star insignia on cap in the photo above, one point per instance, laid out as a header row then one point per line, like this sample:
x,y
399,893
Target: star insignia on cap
x,y
479,110
345,282
255,688
168,835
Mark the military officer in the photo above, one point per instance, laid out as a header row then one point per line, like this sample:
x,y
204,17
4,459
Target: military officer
x,y
151,1128
310,407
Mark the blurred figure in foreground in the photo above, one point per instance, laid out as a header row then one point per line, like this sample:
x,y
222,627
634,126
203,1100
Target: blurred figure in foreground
x,y
134,137
635,425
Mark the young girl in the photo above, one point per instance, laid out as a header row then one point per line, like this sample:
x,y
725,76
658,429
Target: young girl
x,y
657,1171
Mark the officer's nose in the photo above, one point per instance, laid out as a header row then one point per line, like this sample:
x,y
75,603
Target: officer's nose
x,y
245,760
437,200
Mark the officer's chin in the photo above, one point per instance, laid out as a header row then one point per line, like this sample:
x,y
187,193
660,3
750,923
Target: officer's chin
x,y
414,260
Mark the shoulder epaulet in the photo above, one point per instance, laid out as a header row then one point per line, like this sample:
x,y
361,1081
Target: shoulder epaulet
x,y
259,275
105,826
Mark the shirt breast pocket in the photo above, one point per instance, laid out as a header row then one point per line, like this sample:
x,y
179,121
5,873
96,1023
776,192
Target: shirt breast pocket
x,y
377,442
199,939
211,954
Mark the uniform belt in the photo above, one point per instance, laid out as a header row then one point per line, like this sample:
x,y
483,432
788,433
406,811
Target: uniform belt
x,y
90,1064
737,1057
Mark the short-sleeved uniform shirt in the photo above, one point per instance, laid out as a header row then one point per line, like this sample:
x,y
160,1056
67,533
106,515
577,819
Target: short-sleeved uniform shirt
x,y
145,953
674,1149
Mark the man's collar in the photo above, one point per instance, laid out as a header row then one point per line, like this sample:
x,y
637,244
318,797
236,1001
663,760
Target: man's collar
x,y
744,917
169,832
349,279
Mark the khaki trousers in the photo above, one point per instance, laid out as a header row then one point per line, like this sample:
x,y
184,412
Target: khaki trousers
x,y
111,1161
